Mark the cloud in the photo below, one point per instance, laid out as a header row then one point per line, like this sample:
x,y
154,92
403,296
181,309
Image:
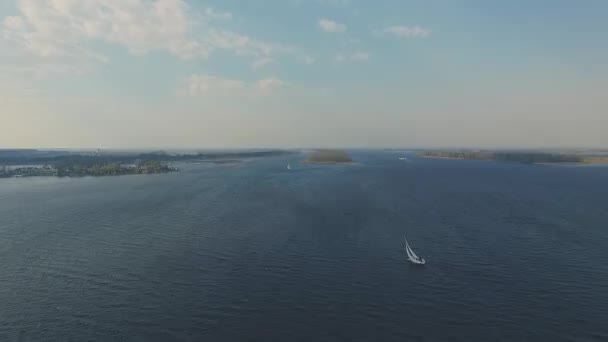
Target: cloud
x,y
406,31
331,26
259,63
334,2
207,85
240,44
360,56
309,60
61,27
63,30
13,23
213,14
268,85
204,84
353,57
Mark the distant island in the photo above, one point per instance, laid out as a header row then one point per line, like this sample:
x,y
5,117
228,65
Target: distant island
x,y
113,169
518,157
329,156
34,163
81,169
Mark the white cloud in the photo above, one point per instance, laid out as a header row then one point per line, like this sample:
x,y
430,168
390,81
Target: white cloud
x,y
61,27
259,63
240,44
309,60
331,26
354,40
213,14
353,57
62,30
268,85
206,85
334,2
406,31
13,23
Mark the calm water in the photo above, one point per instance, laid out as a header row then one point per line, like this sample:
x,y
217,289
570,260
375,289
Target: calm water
x,y
253,252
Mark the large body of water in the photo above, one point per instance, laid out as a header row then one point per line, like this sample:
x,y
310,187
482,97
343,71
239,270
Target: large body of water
x,y
253,252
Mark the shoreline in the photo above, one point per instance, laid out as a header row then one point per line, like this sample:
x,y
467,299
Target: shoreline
x,y
453,158
129,173
588,161
327,162
595,160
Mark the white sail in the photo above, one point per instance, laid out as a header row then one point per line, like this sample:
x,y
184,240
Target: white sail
x,y
288,166
411,255
411,252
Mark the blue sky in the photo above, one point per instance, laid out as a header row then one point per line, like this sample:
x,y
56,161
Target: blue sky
x,y
303,73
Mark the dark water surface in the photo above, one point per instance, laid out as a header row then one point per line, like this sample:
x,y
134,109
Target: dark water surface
x,y
253,252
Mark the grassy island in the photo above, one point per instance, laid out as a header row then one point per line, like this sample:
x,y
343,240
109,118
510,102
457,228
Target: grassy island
x,y
113,169
517,157
327,156
31,163
88,168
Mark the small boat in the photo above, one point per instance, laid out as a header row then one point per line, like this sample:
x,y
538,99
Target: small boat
x,y
411,256
288,166
402,158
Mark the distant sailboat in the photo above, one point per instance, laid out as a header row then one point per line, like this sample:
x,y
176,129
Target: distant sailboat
x,y
411,256
288,166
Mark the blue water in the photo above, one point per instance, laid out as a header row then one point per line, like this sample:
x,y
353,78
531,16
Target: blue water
x,y
253,252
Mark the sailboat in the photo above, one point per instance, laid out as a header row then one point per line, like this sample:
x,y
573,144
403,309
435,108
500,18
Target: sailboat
x,y
288,166
411,256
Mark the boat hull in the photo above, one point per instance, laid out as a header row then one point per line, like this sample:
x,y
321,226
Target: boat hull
x,y
417,262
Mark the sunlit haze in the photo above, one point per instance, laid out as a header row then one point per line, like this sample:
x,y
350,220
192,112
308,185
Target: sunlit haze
x,y
344,73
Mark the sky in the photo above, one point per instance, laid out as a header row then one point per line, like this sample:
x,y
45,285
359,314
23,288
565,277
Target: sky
x,y
303,73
